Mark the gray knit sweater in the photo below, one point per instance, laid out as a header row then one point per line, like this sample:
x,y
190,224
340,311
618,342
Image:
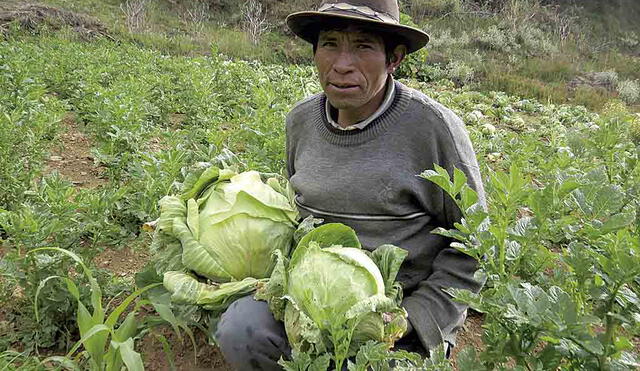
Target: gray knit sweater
x,y
367,179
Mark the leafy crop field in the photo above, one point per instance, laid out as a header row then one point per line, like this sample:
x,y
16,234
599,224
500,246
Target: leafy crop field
x,y
93,134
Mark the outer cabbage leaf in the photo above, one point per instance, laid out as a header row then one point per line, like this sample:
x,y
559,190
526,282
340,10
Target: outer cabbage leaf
x,y
185,289
302,332
171,207
389,258
329,235
274,290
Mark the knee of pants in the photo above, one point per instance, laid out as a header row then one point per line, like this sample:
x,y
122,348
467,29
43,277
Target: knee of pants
x,y
249,326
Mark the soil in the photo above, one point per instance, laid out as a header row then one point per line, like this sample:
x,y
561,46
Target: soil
x,y
72,157
125,262
470,335
591,80
207,356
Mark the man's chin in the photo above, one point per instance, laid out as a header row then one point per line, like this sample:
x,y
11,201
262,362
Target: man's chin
x,y
342,104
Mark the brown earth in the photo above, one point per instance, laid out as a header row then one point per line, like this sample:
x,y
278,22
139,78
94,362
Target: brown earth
x,y
125,262
470,335
207,356
72,157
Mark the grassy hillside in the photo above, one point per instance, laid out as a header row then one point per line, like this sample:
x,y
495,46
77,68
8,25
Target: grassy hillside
x,y
584,52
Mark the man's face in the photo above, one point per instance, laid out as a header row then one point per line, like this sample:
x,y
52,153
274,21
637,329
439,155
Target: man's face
x,y
352,67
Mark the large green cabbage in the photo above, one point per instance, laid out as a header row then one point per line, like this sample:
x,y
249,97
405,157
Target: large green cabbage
x,y
224,227
334,296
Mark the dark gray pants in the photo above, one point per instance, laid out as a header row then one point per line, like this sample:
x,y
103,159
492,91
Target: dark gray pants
x,y
251,339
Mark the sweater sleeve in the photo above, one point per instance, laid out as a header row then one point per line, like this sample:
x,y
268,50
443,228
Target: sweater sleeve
x,y
434,315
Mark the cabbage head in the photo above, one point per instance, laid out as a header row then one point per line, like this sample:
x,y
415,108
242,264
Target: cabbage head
x,y
334,296
225,227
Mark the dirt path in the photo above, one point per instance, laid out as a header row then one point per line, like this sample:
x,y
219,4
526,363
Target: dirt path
x,y
72,157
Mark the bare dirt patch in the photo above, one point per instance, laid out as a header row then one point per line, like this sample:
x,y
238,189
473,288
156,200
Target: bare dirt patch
x,y
593,80
125,262
72,158
207,356
31,16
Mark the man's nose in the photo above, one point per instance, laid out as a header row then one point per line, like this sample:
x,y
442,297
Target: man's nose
x,y
343,62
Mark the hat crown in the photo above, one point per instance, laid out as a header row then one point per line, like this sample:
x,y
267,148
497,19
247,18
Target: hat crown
x,y
388,7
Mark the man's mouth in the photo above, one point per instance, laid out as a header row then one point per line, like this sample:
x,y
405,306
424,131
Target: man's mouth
x,y
341,86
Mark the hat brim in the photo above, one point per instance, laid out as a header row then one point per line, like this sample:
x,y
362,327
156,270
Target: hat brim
x,y
306,25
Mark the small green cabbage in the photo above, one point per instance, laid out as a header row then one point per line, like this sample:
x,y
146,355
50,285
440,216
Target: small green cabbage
x,y
334,296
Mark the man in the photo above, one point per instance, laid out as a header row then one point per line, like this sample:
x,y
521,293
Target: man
x,y
353,153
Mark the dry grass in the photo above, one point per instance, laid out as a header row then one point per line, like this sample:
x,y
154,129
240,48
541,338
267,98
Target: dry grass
x,y
34,16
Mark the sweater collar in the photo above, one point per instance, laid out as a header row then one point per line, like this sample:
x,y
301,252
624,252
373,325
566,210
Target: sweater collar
x,y
378,126
386,103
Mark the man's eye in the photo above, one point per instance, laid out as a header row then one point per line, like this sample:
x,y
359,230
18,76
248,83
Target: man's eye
x,y
328,43
364,46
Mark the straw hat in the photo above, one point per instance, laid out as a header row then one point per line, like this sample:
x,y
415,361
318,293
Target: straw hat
x,y
382,15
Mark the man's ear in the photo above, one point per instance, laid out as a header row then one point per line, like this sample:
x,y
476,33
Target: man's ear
x,y
399,53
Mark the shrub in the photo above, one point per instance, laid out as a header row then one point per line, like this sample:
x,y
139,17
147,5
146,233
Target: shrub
x,y
629,91
630,40
528,39
494,38
445,40
606,78
535,42
460,73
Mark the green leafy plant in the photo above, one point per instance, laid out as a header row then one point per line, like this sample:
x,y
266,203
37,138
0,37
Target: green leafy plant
x,y
580,315
106,344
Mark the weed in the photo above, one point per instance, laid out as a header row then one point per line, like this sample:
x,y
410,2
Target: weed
x,y
97,329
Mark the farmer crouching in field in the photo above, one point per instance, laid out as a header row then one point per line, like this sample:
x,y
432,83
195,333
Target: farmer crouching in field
x,y
353,153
